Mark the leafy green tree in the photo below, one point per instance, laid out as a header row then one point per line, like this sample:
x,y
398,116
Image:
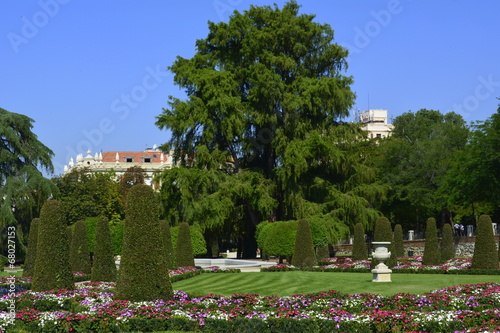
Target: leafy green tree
x,y
485,251
432,256
103,265
23,189
52,267
398,241
132,176
29,263
184,250
303,253
281,239
266,96
79,250
359,250
86,194
474,181
167,243
415,160
447,244
143,274
383,233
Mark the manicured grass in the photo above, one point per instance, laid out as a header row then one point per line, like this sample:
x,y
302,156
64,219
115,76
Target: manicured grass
x,y
8,273
288,283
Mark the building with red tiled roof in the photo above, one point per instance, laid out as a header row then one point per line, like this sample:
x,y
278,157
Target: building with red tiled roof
x,y
151,160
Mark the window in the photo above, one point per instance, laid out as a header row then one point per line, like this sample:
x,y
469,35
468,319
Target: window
x,y
128,159
147,159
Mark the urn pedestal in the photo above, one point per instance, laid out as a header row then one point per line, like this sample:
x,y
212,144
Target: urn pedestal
x,y
381,273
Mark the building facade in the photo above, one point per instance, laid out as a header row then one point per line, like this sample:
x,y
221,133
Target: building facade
x,y
151,160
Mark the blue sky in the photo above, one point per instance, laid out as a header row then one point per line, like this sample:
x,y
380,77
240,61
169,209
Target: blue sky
x,y
92,74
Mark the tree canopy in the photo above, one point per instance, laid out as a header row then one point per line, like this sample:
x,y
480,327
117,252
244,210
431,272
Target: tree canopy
x,y
266,96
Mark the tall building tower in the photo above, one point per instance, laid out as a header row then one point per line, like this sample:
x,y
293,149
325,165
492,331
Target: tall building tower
x,y
375,123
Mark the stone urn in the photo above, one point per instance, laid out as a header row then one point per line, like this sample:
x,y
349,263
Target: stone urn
x,y
381,273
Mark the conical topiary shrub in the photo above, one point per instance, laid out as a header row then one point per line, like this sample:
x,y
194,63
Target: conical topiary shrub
x,y
322,252
143,275
447,244
79,251
359,249
398,241
303,253
432,256
52,268
184,249
485,251
103,267
29,263
383,233
167,243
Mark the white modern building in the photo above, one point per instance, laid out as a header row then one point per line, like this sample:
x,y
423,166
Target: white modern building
x,y
375,122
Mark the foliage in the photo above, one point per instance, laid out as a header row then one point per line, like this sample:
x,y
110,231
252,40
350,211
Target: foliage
x,y
281,239
167,243
383,233
303,253
184,250
485,250
322,252
29,263
266,96
359,249
432,256
415,159
474,181
198,243
143,272
23,189
447,243
398,241
86,194
79,249
116,230
52,267
103,265
132,176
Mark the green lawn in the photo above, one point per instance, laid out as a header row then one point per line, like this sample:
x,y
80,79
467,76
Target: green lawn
x,y
8,273
288,283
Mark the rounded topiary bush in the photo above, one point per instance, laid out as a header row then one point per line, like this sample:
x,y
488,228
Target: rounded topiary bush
x,y
303,253
143,275
280,241
29,263
485,251
52,268
184,249
398,241
383,233
447,244
103,267
79,251
432,256
359,249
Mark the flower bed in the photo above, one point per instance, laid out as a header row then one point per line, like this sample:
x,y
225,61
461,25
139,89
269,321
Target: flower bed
x,y
91,308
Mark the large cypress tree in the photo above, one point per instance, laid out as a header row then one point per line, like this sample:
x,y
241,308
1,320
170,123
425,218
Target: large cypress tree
x,y
184,249
383,233
29,263
303,254
398,241
485,251
432,256
359,250
447,244
79,250
52,268
143,273
103,267
266,99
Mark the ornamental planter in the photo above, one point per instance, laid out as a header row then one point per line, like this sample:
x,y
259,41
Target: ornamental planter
x,y
381,273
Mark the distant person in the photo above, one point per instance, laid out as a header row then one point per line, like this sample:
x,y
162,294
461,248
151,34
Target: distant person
x,y
462,230
456,228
